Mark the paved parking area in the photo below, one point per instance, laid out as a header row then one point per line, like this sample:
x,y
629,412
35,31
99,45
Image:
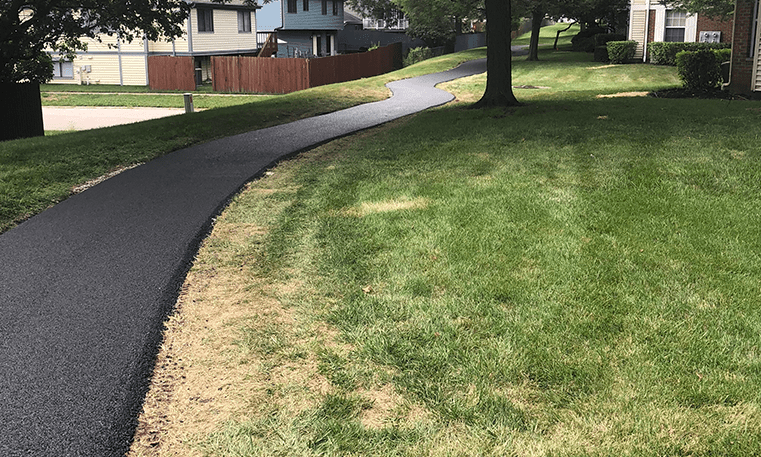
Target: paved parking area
x,y
85,118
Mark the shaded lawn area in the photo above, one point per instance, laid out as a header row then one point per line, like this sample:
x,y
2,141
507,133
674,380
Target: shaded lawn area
x,y
578,276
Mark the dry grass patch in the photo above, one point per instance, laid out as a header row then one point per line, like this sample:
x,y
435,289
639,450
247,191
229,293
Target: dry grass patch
x,y
624,94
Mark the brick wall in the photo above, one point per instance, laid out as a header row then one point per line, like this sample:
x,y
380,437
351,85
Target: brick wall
x,y
651,27
742,64
714,25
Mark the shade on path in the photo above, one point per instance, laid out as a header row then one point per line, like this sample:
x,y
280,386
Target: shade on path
x,y
86,285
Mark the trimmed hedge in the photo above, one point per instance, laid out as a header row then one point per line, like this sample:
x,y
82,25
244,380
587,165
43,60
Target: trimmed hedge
x,y
723,55
698,70
621,51
664,53
601,41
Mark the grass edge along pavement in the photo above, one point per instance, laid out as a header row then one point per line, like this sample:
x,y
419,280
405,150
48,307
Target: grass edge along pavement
x,y
36,173
575,277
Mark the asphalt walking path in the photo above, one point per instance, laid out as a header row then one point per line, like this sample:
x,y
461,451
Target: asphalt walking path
x,y
86,285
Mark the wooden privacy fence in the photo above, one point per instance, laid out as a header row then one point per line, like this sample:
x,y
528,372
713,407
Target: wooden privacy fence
x,y
259,74
268,75
171,73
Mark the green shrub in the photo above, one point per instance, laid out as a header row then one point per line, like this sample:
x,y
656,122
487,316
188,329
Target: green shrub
x,y
416,55
723,55
621,51
601,40
585,41
698,70
663,53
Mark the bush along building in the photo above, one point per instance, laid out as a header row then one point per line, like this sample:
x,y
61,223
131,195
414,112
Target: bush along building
x,y
211,29
651,21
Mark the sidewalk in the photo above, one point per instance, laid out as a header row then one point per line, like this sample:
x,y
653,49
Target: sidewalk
x,y
85,118
86,285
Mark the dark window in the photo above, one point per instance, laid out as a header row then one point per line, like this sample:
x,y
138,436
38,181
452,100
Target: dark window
x,y
676,21
335,7
63,69
292,6
306,5
244,21
205,20
324,6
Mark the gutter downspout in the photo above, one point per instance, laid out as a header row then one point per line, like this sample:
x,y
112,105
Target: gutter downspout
x,y
732,54
119,53
190,32
145,48
647,32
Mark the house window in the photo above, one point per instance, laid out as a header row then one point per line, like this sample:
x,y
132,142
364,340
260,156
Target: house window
x,y
675,24
205,20
325,7
335,7
244,21
63,69
292,6
306,5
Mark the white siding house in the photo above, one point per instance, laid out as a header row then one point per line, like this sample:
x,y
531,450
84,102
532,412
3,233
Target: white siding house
x,y
210,29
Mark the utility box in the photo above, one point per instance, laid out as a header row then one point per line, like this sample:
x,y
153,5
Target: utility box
x,y
710,37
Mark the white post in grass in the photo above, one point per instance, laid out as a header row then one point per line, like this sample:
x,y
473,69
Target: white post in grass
x,y
188,103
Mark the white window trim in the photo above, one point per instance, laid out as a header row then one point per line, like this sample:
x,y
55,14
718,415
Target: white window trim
x,y
690,27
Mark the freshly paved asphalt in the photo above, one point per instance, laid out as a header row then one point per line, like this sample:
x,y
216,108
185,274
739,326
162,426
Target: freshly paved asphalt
x,y
86,285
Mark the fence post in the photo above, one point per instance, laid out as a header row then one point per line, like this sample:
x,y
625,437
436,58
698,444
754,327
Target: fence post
x,y
188,103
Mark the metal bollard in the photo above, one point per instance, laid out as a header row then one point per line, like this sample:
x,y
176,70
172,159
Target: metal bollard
x,y
188,103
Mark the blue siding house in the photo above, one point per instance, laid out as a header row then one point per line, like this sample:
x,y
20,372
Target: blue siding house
x,y
308,28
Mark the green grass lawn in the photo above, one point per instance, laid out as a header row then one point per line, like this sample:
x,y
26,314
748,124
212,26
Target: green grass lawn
x,y
547,36
168,100
575,277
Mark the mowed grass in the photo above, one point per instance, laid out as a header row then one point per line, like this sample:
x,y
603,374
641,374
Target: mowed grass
x,y
547,36
132,100
38,172
575,277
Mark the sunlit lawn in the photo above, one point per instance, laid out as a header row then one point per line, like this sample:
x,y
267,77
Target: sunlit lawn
x,y
578,276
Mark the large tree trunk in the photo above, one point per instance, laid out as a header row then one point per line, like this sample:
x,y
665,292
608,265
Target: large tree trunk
x,y
21,115
537,17
499,80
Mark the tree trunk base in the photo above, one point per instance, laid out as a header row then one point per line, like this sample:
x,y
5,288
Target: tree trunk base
x,y
496,101
21,116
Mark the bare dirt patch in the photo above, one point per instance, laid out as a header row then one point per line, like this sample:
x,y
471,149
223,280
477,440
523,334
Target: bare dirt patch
x,y
623,94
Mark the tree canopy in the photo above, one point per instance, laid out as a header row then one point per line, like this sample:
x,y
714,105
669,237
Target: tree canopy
x,y
30,28
434,21
712,8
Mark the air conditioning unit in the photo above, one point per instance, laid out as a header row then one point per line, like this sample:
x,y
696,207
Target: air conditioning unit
x,y
710,37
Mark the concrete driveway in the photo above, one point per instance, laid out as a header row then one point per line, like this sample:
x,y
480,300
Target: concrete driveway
x,y
85,118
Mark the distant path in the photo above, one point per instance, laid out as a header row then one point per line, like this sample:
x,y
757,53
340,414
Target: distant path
x,y
86,285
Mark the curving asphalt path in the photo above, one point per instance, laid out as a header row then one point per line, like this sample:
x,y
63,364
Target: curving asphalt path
x,y
86,285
